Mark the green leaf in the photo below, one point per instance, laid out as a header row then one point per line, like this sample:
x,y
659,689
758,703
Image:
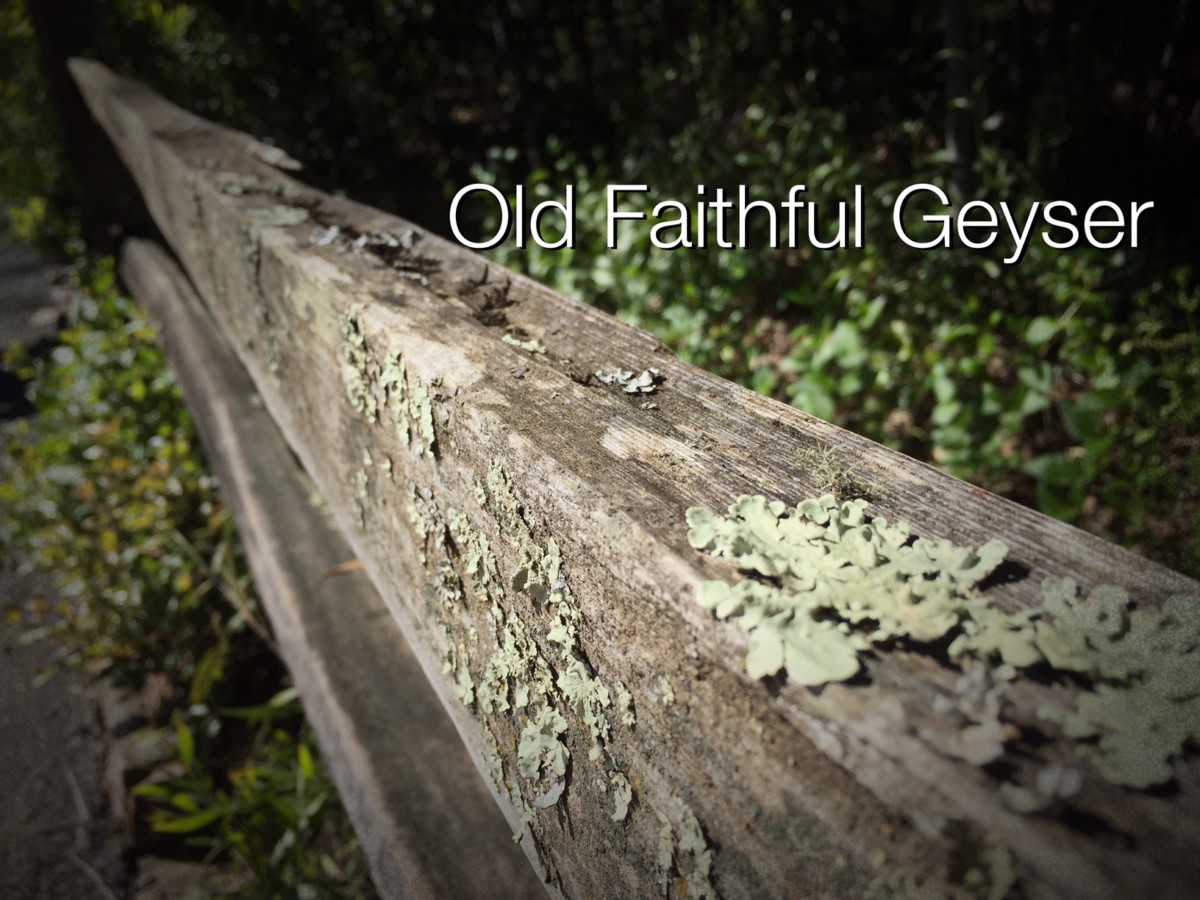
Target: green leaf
x,y
164,823
305,759
1041,329
185,743
208,672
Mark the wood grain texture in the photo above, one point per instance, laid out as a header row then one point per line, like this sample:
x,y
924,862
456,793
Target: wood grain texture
x,y
833,792
424,814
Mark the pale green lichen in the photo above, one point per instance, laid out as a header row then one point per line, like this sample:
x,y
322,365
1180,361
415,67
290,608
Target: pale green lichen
x,y
622,797
475,550
994,875
362,497
408,399
273,353
540,578
683,848
420,408
421,518
275,333
975,706
545,676
456,663
531,346
1144,708
277,216
541,752
666,692
625,705
841,583
494,769
587,698
514,670
1141,673
356,363
237,184
493,762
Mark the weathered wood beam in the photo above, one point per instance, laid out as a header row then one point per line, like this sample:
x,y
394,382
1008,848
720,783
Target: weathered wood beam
x,y
525,523
423,813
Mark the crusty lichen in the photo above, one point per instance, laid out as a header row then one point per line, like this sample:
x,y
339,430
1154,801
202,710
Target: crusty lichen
x,y
275,333
537,673
841,583
456,663
666,692
277,216
531,346
541,752
625,705
356,363
400,390
362,498
237,184
408,399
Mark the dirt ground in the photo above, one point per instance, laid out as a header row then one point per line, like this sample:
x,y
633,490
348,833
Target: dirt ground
x,y
57,837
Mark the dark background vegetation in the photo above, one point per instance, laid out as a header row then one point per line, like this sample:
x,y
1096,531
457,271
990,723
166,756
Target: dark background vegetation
x,y
1067,382
1070,382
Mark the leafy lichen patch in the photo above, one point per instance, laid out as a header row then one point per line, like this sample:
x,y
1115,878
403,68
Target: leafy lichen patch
x,y
842,582
831,583
494,769
683,849
401,391
421,518
1144,708
541,752
622,797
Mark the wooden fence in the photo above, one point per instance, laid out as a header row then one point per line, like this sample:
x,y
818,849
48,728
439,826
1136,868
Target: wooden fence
x,y
669,687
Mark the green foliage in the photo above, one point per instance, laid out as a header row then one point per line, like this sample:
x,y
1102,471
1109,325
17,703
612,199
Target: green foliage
x,y
275,809
1067,381
35,205
106,490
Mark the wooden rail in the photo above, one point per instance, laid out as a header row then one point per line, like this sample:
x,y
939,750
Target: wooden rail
x,y
526,522
425,819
